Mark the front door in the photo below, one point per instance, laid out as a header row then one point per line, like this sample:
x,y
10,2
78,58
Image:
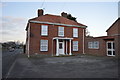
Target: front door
x,y
61,48
110,48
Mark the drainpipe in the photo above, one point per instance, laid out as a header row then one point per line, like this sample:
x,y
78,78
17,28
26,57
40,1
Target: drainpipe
x,y
52,44
83,42
28,40
52,47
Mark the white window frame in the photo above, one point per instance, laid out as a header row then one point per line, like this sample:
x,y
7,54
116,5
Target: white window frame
x,y
111,42
96,44
75,45
44,30
89,44
75,32
93,45
43,45
60,31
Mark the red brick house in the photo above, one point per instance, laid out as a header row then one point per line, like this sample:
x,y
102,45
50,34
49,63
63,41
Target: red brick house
x,y
105,45
54,35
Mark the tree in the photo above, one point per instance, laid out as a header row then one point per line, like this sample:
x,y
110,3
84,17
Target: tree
x,y
87,32
69,16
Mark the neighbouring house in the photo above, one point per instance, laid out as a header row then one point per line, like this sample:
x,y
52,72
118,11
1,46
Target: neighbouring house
x,y
105,45
54,35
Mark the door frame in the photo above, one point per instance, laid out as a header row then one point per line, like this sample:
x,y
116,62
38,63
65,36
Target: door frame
x,y
63,45
112,50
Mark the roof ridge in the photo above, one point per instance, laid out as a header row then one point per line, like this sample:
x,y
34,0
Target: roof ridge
x,y
52,15
56,19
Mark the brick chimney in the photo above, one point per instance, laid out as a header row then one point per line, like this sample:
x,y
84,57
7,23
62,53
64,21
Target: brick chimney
x,y
40,12
64,14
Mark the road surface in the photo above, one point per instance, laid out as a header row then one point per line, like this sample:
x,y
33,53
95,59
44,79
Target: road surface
x,y
65,67
8,59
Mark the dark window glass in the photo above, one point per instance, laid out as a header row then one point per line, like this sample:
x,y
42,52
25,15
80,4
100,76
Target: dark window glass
x,y
113,52
113,45
60,40
109,52
60,45
109,45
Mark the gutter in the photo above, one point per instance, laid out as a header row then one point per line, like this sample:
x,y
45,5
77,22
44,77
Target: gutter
x,y
83,42
32,21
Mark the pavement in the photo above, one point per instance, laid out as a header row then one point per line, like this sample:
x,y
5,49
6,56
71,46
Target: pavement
x,y
80,66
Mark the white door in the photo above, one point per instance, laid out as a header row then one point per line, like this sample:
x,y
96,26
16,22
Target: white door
x,y
61,48
110,48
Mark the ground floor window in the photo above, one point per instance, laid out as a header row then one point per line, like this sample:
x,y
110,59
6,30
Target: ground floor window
x,y
93,45
75,45
43,45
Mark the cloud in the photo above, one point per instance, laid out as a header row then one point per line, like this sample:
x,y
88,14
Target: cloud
x,y
2,4
13,28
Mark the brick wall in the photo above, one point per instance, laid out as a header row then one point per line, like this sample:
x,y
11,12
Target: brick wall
x,y
35,30
102,46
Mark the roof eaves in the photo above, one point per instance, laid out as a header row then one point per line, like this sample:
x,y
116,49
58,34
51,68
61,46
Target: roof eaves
x,y
26,27
33,21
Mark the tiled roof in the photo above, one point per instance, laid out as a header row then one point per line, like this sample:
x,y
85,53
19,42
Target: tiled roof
x,y
102,37
56,19
108,38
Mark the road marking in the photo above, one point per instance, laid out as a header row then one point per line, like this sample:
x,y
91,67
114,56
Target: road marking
x,y
9,71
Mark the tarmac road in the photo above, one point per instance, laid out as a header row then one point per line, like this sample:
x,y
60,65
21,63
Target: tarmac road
x,y
8,59
82,66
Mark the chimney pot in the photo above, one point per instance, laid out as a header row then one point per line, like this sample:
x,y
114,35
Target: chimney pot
x,y
40,12
64,14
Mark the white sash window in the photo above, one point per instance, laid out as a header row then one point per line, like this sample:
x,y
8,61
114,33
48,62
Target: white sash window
x,y
75,32
60,31
75,45
44,30
93,45
43,45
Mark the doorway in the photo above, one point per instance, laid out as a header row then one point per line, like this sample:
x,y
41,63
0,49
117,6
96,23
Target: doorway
x,y
110,48
61,48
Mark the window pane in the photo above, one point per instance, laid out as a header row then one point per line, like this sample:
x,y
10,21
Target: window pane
x,y
92,44
109,52
109,46
60,31
96,44
44,30
44,45
113,45
89,44
75,32
75,45
113,52
60,45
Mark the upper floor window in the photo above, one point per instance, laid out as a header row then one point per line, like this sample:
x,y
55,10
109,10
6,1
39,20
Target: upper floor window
x,y
93,45
44,30
43,45
60,31
75,45
75,32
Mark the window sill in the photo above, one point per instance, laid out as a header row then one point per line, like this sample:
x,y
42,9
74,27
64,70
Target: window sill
x,y
44,51
94,48
44,35
75,37
60,35
75,51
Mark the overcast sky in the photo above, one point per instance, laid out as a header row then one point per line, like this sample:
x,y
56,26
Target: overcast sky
x,y
98,16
